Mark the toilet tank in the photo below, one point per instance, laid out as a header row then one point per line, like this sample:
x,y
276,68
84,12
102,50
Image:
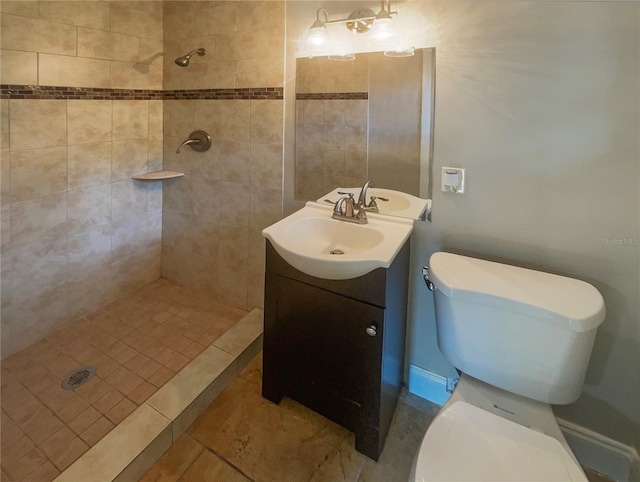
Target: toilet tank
x,y
521,330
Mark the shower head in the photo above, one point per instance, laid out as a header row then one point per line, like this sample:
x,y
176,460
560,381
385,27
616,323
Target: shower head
x,y
184,60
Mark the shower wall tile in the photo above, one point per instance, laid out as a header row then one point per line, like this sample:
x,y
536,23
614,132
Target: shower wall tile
x,y
88,250
129,158
100,44
207,164
76,229
89,164
39,219
234,245
150,52
84,14
206,199
37,35
5,229
44,312
206,116
128,198
125,75
222,71
136,22
155,116
237,45
266,207
154,6
266,122
88,121
88,208
234,287
61,70
38,172
130,119
266,165
178,118
252,15
38,266
154,196
235,162
4,125
19,7
35,124
234,204
235,120
18,67
263,71
272,41
244,42
255,288
216,20
89,289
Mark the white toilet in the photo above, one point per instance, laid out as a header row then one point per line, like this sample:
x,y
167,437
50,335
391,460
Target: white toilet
x,y
522,340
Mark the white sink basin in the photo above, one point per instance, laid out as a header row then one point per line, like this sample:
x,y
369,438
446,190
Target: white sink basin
x,y
399,203
314,243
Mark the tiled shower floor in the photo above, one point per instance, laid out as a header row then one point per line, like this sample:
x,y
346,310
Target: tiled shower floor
x,y
136,344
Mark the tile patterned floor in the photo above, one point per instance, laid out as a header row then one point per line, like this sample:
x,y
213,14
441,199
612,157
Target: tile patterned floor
x,y
136,345
243,437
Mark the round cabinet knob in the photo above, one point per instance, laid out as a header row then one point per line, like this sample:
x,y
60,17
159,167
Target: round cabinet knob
x,y
371,330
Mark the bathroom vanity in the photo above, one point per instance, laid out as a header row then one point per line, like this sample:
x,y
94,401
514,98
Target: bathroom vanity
x,y
337,345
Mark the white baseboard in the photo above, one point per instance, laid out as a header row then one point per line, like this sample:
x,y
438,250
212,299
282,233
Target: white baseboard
x,y
601,453
428,385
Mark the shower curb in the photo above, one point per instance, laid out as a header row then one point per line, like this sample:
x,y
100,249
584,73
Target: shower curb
x,y
132,447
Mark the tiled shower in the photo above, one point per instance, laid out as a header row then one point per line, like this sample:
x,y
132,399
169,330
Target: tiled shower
x,y
90,97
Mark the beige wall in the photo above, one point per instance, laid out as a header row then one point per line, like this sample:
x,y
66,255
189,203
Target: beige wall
x,y
539,101
77,231
213,217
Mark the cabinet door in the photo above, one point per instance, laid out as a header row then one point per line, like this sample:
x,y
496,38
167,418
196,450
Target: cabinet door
x,y
321,337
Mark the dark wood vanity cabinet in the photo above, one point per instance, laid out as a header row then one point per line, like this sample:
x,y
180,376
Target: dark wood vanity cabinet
x,y
337,346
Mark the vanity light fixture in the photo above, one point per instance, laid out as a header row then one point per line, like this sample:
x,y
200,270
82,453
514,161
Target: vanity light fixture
x,y
342,57
318,36
410,52
360,21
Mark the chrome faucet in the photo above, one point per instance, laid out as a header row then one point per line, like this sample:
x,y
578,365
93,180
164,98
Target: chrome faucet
x,y
362,199
345,210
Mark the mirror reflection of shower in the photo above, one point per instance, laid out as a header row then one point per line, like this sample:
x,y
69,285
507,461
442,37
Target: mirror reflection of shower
x,y
184,60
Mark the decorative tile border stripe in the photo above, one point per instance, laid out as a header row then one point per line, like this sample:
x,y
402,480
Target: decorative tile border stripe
x,y
95,93
253,93
333,96
83,93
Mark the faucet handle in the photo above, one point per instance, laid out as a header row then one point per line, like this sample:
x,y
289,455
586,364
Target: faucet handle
x,y
373,203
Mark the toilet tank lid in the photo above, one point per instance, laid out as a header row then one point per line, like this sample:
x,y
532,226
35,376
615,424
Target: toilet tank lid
x,y
573,303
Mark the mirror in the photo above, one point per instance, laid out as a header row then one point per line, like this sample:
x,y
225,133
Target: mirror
x,y
368,117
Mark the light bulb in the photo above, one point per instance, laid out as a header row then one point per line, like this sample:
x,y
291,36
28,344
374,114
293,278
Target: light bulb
x,y
318,36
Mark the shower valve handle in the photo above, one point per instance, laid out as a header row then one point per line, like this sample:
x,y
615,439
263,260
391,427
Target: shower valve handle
x,y
199,141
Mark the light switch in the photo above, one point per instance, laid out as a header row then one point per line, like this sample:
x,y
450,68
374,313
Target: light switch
x,y
452,180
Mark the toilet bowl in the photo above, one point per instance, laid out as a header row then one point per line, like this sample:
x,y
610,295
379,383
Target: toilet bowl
x,y
522,340
483,433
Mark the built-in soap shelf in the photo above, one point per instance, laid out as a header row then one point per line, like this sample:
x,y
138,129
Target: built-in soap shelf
x,y
158,175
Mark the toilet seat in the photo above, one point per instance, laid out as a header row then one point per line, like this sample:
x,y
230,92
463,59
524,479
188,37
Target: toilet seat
x,y
466,443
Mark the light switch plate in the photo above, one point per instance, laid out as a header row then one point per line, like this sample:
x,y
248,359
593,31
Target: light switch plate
x,y
452,179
